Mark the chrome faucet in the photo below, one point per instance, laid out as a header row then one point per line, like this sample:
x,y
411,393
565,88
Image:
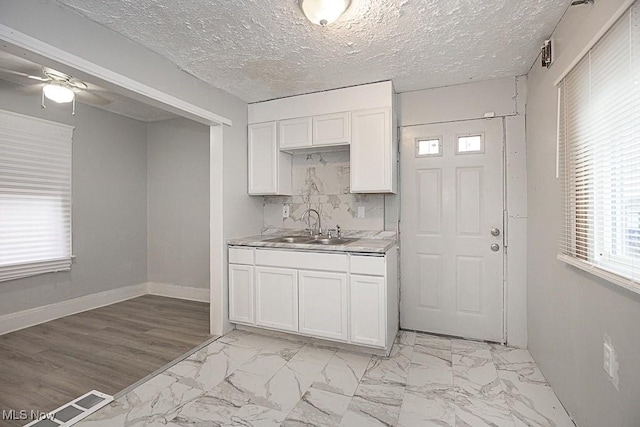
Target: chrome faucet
x,y
307,213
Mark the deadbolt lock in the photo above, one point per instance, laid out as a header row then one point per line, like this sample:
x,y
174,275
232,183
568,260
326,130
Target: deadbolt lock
x,y
495,231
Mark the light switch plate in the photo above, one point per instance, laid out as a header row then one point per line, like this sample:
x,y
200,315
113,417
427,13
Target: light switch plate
x,y
608,355
610,364
360,211
285,211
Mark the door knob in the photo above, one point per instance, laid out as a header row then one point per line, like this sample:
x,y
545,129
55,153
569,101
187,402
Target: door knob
x,y
495,231
495,247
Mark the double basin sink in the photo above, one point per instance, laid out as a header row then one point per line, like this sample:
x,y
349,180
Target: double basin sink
x,y
312,240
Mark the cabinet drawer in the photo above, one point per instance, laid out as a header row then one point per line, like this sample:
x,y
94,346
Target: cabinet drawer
x,y
369,265
241,256
302,260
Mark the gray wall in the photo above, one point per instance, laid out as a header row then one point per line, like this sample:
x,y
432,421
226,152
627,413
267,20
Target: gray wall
x,y
571,311
109,205
178,203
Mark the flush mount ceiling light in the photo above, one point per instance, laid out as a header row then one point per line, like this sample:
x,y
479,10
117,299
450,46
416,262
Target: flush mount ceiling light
x,y
323,12
58,92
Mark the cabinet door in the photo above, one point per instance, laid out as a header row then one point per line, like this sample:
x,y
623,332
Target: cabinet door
x,y
241,293
323,304
368,310
371,151
277,298
295,133
269,169
331,129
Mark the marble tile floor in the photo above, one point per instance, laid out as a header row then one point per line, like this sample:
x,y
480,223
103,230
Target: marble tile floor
x,y
245,379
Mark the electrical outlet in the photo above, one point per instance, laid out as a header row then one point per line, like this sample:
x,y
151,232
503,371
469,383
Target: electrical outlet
x,y
285,211
608,357
360,211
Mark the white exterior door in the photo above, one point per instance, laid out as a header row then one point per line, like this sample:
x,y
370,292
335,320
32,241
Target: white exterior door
x,y
452,208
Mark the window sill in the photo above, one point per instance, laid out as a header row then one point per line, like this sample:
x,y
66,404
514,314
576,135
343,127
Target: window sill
x,y
600,272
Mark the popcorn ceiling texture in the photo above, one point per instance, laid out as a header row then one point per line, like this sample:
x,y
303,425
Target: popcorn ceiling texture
x,y
265,49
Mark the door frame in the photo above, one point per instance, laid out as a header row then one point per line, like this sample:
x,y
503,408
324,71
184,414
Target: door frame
x,y
514,288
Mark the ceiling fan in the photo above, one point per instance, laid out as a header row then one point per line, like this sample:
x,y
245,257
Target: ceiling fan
x,y
54,85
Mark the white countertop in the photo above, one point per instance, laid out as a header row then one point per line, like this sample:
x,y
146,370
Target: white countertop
x,y
371,242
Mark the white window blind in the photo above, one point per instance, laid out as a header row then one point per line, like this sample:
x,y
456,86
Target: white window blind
x,y
599,156
35,196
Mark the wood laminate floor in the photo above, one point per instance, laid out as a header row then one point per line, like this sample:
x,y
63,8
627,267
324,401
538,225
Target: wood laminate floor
x,y
108,349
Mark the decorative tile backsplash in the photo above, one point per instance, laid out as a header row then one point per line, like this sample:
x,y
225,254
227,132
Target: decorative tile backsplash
x,y
321,182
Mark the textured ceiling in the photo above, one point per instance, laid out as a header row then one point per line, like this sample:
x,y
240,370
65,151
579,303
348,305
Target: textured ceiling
x,y
265,49
15,70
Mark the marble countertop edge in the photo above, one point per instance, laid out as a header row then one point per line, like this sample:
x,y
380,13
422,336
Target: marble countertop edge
x,y
362,245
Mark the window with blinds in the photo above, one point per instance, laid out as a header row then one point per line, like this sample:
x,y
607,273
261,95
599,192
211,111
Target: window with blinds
x,y
599,156
35,196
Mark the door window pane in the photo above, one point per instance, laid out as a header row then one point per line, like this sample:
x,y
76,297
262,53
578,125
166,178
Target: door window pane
x,y
428,147
470,144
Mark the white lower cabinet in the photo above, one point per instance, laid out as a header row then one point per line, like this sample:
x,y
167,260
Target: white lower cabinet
x,y
277,298
349,298
368,310
323,310
241,293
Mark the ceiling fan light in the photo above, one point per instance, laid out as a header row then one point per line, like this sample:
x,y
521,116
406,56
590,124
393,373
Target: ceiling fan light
x,y
323,12
58,93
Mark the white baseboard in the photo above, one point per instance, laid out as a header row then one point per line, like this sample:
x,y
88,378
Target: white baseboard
x,y
176,291
35,316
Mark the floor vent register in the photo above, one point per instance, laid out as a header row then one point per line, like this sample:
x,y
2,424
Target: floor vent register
x,y
74,411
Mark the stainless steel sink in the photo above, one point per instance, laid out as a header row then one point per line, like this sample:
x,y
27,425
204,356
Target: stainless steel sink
x,y
311,240
291,239
331,241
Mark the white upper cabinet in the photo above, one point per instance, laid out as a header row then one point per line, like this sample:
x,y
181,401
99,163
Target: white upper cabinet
x,y
331,129
269,168
360,116
295,133
372,151
305,132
